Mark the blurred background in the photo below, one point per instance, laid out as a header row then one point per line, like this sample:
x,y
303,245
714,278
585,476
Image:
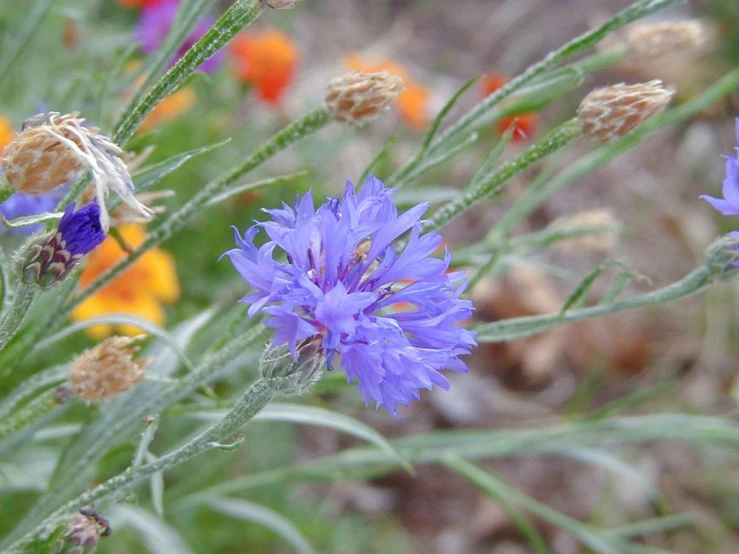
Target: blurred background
x,y
680,358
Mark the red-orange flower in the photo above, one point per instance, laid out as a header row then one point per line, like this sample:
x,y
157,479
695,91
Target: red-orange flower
x,y
524,124
413,103
139,4
267,61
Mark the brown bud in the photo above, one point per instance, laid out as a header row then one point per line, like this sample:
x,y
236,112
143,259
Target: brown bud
x,y
40,159
357,98
106,369
654,40
609,113
599,231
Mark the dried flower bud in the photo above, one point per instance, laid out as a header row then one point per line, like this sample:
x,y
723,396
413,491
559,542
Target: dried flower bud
x,y
599,231
52,149
48,259
278,4
85,531
356,98
107,369
609,113
653,40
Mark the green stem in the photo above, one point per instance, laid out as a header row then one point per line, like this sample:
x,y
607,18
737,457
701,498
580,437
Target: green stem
x,y
43,379
250,404
553,141
77,472
509,329
22,300
235,18
465,124
39,406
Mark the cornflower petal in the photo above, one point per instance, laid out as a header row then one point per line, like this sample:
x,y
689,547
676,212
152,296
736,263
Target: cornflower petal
x,y
339,283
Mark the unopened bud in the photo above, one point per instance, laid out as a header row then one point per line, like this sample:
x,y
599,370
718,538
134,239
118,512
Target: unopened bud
x,y
357,98
592,230
722,257
291,372
609,113
278,4
84,532
654,40
47,260
107,369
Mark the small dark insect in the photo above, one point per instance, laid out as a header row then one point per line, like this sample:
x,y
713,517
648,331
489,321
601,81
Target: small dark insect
x,y
89,512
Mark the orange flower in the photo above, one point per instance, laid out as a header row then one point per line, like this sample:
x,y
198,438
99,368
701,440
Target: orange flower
x,y
139,291
413,103
267,61
168,109
524,124
6,132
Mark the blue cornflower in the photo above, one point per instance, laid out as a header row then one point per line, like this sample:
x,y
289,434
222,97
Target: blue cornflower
x,y
22,205
390,319
729,205
48,259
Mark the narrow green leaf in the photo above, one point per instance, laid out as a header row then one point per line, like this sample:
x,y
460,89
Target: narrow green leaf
x,y
158,536
264,183
497,488
150,176
619,284
248,511
384,154
27,220
444,112
580,295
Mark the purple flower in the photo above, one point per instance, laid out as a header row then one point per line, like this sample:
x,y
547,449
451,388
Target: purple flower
x,y
729,205
48,259
390,319
155,23
81,230
22,205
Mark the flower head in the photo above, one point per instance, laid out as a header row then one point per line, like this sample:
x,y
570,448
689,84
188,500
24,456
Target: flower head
x,y
107,369
155,23
49,259
267,61
53,148
609,113
139,291
729,204
523,125
357,98
342,282
413,104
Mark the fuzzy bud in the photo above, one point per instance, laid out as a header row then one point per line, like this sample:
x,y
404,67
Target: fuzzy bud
x,y
107,369
47,260
292,373
598,227
654,40
38,159
609,113
722,257
278,4
53,148
357,98
84,532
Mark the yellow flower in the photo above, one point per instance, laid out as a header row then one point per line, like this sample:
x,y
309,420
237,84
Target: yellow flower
x,y
139,291
6,132
168,109
413,103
